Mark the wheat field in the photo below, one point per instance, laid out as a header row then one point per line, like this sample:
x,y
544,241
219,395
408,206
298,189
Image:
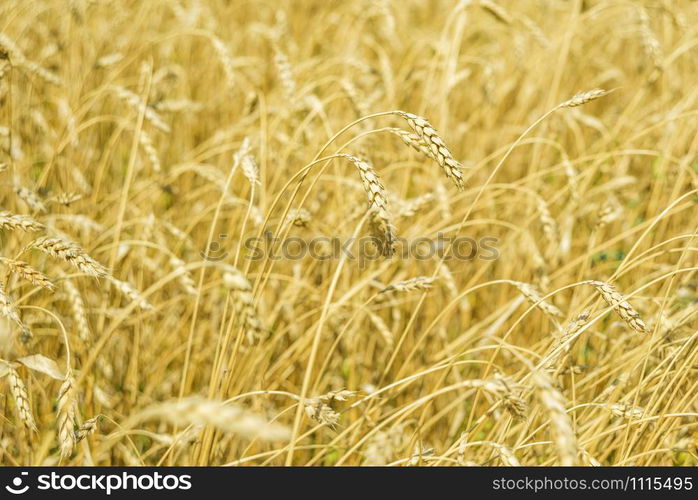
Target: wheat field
x,y
349,232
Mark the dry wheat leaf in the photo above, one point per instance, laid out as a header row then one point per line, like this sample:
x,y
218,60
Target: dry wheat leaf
x,y
40,363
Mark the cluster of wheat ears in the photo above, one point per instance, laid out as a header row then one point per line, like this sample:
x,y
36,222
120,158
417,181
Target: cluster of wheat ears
x,y
144,144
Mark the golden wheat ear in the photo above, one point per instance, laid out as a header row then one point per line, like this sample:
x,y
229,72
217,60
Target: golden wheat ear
x,y
243,300
21,398
24,222
620,305
554,403
427,137
71,253
379,216
65,415
584,98
27,272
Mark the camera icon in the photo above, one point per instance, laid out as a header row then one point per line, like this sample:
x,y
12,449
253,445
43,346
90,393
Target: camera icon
x,y
17,483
